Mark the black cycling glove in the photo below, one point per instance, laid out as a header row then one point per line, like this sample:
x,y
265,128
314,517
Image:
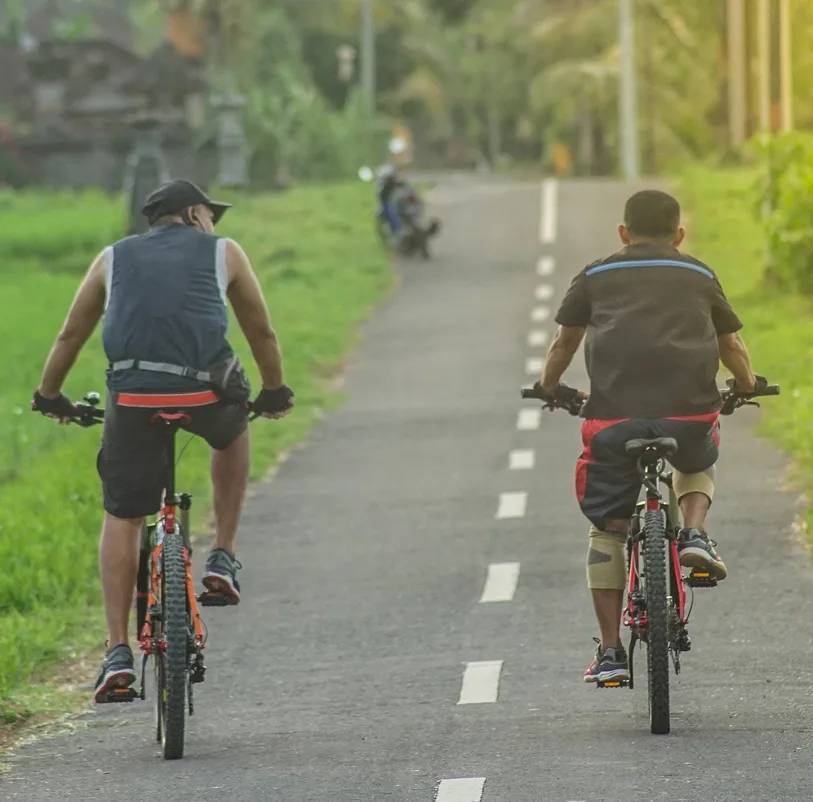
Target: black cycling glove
x,y
563,393
60,406
761,384
542,395
270,401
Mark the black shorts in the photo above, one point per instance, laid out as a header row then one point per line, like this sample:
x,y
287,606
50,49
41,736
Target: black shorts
x,y
132,461
607,481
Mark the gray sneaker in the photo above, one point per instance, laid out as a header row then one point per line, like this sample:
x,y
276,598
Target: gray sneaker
x,y
221,575
118,671
696,550
591,673
613,665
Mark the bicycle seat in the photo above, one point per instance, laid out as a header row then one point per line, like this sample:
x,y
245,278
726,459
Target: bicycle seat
x,y
657,447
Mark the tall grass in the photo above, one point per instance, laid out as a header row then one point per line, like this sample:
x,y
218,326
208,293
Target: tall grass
x,y
321,269
778,322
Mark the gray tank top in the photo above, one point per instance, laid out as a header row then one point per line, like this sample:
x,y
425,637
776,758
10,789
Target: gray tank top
x,y
166,302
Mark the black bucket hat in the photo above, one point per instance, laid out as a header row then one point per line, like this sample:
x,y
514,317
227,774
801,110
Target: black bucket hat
x,y
174,196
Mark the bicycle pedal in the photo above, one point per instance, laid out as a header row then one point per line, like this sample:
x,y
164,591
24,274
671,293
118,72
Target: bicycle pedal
x,y
701,579
613,683
213,599
118,695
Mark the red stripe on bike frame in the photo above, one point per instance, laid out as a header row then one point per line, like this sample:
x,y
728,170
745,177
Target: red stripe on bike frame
x,y
675,557
590,428
171,400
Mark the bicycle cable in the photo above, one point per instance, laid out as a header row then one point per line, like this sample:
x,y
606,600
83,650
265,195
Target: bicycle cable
x,y
186,445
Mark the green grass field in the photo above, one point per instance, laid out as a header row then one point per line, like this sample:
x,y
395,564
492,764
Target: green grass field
x,y
778,326
321,269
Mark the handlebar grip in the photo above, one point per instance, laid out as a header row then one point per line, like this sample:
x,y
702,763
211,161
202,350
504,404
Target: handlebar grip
x,y
529,392
771,389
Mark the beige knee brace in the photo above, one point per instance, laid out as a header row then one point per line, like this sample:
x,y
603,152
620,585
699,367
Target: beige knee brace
x,y
606,560
685,483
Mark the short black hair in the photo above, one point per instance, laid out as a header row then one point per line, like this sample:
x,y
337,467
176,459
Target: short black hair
x,y
652,214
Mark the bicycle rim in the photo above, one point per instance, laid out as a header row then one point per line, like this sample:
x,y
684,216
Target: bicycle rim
x,y
173,694
656,559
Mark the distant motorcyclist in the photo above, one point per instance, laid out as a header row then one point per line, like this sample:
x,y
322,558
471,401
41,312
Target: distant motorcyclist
x,y
387,183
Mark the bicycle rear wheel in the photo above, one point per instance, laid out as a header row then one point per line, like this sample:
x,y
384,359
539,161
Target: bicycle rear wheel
x,y
171,666
656,584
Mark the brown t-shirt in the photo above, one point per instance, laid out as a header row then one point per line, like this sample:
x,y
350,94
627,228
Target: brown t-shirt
x,y
653,316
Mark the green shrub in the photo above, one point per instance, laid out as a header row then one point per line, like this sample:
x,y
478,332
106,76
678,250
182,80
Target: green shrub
x,y
785,195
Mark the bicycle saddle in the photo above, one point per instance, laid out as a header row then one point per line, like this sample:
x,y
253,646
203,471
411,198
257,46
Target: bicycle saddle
x,y
658,447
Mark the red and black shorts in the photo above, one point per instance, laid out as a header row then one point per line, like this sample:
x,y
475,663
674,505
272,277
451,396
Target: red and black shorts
x,y
132,462
607,481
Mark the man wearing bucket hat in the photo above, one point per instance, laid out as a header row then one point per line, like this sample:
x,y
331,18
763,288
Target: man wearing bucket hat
x,y
163,299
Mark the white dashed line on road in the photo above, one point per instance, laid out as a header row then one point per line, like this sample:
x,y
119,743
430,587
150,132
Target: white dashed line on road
x,y
529,419
464,789
550,198
545,266
534,366
512,505
522,460
501,583
540,314
544,292
537,338
481,683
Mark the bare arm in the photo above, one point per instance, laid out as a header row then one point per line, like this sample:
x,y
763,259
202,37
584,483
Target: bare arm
x,y
249,306
734,355
85,312
560,355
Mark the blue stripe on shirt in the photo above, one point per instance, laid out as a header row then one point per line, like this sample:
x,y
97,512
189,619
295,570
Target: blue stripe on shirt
x,y
651,263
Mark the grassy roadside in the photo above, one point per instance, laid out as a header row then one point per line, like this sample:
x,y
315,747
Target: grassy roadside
x,y
778,327
321,269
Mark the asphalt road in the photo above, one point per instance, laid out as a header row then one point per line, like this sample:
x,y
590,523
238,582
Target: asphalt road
x,y
367,557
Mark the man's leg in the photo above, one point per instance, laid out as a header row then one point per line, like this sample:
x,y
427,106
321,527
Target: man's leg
x,y
391,209
131,464
230,469
693,485
607,485
607,578
694,492
225,427
118,565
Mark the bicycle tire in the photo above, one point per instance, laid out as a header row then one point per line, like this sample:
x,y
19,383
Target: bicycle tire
x,y
175,656
656,559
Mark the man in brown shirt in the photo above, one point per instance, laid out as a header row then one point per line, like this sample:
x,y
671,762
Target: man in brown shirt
x,y
657,325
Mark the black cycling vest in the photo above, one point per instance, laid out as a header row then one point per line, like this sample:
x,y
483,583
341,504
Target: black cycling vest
x,y
166,302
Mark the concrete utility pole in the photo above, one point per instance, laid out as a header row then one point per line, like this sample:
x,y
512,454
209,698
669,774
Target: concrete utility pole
x,y
368,72
737,74
765,64
786,63
628,112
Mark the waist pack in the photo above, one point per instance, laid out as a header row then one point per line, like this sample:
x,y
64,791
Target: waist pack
x,y
227,379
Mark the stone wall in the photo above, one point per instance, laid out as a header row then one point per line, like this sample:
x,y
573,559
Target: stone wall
x,y
83,165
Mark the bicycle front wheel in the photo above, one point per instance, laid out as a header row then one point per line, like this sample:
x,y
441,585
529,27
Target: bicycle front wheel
x,y
656,560
173,663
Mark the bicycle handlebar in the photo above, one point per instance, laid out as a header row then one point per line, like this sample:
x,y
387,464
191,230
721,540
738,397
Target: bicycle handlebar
x,y
88,414
569,399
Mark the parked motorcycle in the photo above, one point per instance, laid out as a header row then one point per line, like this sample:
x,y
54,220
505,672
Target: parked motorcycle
x,y
416,230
